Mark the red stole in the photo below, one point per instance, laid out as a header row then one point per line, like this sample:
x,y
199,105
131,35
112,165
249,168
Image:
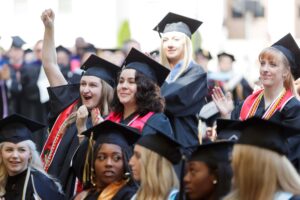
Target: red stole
x,y
137,122
55,136
251,104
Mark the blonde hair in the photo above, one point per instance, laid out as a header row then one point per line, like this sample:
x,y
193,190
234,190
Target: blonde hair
x,y
35,163
188,55
259,173
157,176
271,53
106,98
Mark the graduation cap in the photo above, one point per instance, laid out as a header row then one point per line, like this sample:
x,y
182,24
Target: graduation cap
x,y
226,54
96,66
17,42
146,65
113,133
163,145
214,152
28,51
209,113
174,22
90,48
204,53
61,48
288,46
266,134
17,128
226,130
106,132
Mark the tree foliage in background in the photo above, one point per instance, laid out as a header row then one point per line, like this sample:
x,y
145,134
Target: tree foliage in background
x,y
123,33
196,40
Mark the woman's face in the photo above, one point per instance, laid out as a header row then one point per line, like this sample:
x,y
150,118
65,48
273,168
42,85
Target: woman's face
x,y
135,163
273,72
90,91
198,181
127,88
109,164
173,44
15,157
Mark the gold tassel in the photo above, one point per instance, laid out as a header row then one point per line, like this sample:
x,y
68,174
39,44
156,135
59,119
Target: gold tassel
x,y
88,169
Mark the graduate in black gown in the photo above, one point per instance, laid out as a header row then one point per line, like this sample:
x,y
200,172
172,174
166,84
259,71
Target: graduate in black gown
x,y
74,107
22,174
137,101
186,86
208,171
109,169
261,169
277,101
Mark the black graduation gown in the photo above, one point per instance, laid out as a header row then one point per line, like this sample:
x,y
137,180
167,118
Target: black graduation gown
x,y
45,188
31,106
60,98
125,193
290,116
184,99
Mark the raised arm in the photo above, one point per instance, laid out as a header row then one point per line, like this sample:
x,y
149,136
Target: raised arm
x,y
49,56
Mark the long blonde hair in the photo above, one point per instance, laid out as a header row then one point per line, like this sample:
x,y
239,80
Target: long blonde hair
x,y
106,98
259,173
35,164
271,53
188,55
158,177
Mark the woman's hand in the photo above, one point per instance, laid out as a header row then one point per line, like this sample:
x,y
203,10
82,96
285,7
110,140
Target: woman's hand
x,y
223,103
81,119
48,18
96,116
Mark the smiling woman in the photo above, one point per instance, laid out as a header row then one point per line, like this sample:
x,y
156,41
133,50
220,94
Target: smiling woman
x,y
21,172
277,100
73,107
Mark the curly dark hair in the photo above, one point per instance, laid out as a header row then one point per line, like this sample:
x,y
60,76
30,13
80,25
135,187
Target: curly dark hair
x,y
148,97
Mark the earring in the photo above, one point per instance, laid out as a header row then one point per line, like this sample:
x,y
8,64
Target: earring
x,y
215,182
126,175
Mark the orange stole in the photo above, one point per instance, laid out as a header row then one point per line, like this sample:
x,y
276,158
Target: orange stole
x,y
55,136
251,104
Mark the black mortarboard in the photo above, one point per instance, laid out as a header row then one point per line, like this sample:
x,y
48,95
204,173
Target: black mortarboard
x,y
28,51
174,22
17,42
226,130
113,50
226,54
90,48
214,152
162,145
265,134
204,53
113,133
63,49
96,66
288,46
17,128
209,113
146,65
